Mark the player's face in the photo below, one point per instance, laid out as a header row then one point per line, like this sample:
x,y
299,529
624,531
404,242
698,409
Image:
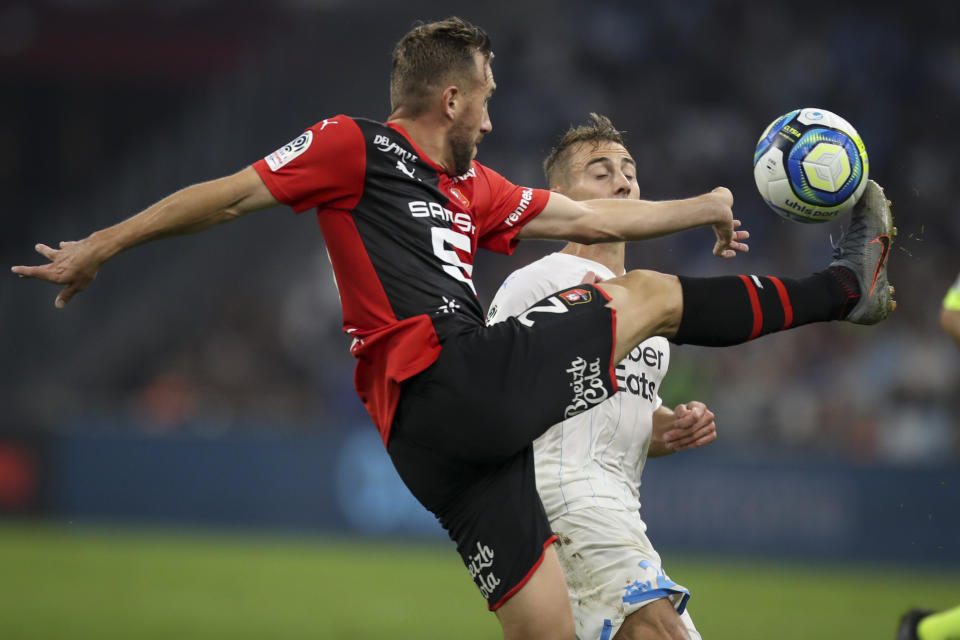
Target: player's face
x,y
604,170
473,122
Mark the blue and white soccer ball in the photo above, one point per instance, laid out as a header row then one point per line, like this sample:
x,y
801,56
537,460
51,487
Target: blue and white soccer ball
x,y
810,165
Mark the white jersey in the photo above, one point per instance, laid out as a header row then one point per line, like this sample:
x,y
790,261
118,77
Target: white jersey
x,y
594,459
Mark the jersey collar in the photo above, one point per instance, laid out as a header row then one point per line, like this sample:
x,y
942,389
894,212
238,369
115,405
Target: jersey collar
x,y
416,148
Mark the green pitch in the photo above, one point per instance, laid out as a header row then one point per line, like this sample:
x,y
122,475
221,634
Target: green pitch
x,y
76,583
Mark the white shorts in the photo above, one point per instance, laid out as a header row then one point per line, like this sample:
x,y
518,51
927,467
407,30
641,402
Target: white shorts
x,y
612,570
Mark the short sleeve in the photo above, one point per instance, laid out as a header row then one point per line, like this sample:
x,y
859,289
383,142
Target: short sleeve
x,y
508,208
323,167
521,289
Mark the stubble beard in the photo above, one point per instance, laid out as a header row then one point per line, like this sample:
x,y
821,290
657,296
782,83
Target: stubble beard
x,y
462,143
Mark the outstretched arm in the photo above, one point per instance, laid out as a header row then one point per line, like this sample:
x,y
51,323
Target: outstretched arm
x,y
195,208
592,221
689,426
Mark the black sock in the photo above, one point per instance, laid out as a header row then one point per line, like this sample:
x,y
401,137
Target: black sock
x,y
728,310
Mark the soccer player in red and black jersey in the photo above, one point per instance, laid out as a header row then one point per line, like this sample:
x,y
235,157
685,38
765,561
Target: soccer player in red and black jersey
x,y
403,208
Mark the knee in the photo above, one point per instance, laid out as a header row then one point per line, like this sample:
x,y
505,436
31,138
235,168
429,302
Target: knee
x,y
650,301
646,283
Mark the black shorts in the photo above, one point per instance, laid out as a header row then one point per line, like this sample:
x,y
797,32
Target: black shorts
x,y
462,435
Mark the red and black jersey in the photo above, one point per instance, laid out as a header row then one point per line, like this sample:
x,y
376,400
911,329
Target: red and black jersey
x,y
402,235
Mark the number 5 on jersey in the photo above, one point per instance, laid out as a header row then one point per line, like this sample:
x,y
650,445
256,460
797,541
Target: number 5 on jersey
x,y
453,266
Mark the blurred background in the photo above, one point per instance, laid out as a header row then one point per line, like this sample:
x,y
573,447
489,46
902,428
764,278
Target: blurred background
x,y
205,381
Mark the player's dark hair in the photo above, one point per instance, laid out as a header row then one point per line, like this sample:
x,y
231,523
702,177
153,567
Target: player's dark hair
x,y
431,55
599,129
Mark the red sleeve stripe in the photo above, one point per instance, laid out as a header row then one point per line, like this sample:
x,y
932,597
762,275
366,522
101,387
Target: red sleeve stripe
x,y
784,300
613,348
526,578
755,306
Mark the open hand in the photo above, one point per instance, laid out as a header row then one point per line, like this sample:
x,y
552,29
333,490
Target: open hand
x,y
730,238
73,264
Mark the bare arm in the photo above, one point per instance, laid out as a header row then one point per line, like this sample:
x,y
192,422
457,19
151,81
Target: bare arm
x,y
195,208
592,221
689,426
950,321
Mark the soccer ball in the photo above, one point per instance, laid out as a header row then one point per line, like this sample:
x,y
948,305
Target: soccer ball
x,y
810,165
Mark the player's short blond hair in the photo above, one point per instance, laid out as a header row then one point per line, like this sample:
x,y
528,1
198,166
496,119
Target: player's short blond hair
x,y
599,129
431,56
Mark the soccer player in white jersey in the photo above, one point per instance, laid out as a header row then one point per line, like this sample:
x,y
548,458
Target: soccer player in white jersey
x,y
588,467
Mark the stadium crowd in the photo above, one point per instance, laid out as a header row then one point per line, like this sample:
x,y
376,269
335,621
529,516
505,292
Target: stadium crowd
x,y
217,345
